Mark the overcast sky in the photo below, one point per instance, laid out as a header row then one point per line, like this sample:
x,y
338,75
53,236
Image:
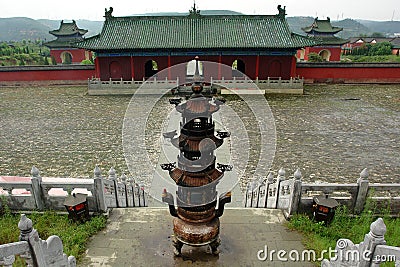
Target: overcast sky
x,y
383,10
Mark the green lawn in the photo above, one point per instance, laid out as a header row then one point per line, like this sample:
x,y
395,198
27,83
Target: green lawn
x,y
377,59
73,235
319,237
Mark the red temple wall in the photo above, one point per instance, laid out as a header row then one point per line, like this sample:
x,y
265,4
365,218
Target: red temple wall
x,y
349,73
114,68
71,74
255,66
332,72
335,52
77,54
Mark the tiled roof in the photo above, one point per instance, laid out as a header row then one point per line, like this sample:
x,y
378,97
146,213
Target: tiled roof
x,y
396,42
63,42
322,26
354,39
68,28
198,32
330,40
377,39
367,40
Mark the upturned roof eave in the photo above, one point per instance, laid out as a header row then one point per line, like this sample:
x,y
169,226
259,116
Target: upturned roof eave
x,y
306,30
337,41
60,44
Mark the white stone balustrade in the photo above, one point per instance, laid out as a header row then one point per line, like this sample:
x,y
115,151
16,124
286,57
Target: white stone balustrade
x,y
37,193
292,195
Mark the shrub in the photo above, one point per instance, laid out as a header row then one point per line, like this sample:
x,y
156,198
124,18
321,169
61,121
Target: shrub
x,y
318,237
73,235
379,49
384,48
314,57
378,59
86,62
53,60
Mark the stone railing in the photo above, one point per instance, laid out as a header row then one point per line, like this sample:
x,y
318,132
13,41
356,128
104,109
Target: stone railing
x,y
154,85
34,250
292,195
371,252
270,81
270,85
37,193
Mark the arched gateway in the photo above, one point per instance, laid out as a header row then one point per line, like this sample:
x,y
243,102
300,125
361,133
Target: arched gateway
x,y
150,68
253,41
238,68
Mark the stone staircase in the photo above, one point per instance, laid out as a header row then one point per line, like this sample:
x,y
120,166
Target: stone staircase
x,y
142,237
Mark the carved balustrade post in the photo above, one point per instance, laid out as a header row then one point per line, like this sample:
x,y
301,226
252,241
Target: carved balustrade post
x,y
36,181
99,190
279,179
362,192
296,193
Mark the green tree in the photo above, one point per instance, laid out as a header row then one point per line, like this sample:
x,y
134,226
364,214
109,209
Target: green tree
x,y
380,49
314,57
361,51
377,34
86,62
53,60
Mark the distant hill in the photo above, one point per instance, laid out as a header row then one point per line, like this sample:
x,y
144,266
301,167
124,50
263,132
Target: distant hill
x,y
351,28
382,26
18,29
296,23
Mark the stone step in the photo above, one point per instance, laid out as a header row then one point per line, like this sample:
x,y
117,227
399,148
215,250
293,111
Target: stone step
x,y
142,237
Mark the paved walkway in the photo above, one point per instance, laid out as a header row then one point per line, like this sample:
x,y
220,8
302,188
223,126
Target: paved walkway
x,y
142,237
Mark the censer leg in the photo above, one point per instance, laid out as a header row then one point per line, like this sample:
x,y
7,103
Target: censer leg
x,y
177,246
214,246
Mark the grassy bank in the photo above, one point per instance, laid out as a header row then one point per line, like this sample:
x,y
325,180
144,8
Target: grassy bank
x,y
318,237
376,59
73,235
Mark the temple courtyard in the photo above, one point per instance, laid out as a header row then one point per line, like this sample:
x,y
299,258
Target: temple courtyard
x,y
331,132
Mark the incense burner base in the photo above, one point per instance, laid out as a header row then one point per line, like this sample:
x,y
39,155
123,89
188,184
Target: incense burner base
x,y
196,234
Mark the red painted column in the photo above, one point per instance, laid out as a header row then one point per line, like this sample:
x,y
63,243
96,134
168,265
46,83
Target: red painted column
x,y
169,67
97,67
293,67
257,65
219,66
132,69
